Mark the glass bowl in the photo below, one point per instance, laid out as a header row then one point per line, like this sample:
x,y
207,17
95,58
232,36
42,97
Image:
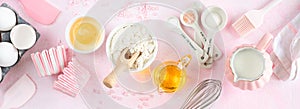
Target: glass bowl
x,y
172,46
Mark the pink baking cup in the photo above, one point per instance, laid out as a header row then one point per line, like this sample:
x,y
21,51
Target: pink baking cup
x,y
47,62
260,81
73,79
50,62
38,64
71,86
58,86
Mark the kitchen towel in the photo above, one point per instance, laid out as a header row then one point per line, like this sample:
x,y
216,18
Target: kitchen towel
x,y
285,55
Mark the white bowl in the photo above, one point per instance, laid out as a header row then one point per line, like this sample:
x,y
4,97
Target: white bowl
x,y
67,35
111,41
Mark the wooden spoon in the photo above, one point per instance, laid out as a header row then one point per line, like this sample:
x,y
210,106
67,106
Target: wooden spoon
x,y
125,61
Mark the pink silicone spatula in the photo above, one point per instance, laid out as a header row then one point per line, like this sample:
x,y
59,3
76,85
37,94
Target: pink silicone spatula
x,y
19,93
40,10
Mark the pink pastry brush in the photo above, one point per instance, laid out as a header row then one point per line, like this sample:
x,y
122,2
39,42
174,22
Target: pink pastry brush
x,y
252,19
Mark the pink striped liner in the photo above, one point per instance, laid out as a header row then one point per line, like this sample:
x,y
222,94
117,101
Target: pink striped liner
x,y
64,50
46,62
50,62
60,57
71,86
70,76
54,60
38,64
73,79
61,88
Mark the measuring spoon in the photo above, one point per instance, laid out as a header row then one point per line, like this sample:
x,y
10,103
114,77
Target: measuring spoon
x,y
190,18
213,19
201,56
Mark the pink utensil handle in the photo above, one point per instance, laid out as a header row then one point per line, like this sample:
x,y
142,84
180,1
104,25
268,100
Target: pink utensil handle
x,y
40,10
264,42
272,4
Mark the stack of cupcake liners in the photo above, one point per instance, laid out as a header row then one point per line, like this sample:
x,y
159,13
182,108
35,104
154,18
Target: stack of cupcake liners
x,y
72,77
50,62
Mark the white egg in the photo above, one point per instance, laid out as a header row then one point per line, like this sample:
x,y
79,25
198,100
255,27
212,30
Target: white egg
x,y
8,55
0,74
8,19
23,36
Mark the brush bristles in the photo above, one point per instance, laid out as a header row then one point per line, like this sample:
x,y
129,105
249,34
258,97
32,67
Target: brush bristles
x,y
243,25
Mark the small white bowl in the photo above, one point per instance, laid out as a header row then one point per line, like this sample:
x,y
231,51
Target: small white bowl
x,y
23,36
67,35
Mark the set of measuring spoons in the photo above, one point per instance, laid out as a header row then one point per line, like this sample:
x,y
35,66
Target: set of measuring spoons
x,y
213,19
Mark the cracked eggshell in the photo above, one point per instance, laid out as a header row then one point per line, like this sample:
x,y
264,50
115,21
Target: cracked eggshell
x,y
8,19
8,55
23,36
1,73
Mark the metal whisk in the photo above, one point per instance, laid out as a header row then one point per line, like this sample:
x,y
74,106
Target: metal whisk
x,y
203,95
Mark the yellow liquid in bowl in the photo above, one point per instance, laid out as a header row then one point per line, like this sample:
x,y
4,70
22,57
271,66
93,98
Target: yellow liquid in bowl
x,y
85,34
169,77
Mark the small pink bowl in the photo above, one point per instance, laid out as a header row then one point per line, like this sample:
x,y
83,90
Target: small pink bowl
x,y
245,84
251,85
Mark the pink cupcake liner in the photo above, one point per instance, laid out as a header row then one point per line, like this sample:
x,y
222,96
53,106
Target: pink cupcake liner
x,y
50,62
73,79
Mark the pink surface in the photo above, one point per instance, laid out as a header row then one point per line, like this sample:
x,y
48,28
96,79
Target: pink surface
x,y
275,95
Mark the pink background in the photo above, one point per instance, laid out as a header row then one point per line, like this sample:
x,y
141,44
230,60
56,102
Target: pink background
x,y
275,95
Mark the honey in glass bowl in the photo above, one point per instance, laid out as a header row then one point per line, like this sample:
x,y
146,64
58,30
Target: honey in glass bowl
x,y
170,76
